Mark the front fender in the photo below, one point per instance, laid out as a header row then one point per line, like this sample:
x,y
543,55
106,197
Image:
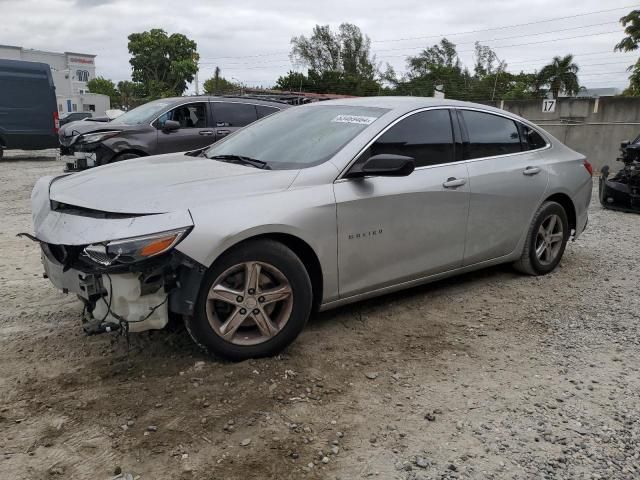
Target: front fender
x,y
308,213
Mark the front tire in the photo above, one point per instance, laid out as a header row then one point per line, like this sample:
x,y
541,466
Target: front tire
x,y
546,240
253,302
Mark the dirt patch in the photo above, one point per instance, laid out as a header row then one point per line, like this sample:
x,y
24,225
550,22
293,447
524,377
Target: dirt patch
x,y
488,375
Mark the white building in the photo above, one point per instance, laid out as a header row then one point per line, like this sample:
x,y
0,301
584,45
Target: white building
x,y
71,72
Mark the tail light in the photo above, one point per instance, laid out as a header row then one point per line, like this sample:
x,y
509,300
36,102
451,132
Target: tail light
x,y
588,166
56,122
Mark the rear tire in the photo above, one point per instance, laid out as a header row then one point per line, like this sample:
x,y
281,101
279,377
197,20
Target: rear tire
x,y
602,185
546,240
237,317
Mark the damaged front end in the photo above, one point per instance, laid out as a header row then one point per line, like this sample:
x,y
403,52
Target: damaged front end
x,y
622,190
123,267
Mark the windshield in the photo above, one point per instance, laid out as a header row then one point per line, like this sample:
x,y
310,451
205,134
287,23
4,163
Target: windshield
x,y
298,137
142,114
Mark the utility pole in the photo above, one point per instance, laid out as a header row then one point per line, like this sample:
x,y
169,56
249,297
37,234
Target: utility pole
x,y
195,77
495,83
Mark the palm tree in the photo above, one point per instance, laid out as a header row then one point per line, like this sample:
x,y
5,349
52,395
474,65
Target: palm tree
x,y
631,22
560,75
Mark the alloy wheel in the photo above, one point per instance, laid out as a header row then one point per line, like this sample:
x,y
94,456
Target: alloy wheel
x,y
549,239
249,303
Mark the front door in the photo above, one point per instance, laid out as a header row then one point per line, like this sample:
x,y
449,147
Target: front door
x,y
396,229
194,132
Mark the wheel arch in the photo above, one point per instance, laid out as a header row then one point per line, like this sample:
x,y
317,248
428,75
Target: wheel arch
x,y
565,201
304,252
134,151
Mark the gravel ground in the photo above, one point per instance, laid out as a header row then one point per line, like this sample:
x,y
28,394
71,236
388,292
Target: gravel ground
x,y
489,375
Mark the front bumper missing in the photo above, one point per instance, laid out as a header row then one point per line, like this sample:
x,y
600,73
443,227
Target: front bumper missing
x,y
141,299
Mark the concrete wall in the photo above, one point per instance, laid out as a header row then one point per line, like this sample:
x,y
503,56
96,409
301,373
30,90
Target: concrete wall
x,y
593,127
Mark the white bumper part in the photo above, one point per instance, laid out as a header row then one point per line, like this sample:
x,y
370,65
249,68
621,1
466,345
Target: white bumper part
x,y
124,295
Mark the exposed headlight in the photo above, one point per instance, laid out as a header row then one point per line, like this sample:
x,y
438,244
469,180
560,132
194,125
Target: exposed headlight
x,y
135,249
96,137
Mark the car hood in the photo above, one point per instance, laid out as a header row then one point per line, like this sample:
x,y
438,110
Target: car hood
x,y
70,131
164,183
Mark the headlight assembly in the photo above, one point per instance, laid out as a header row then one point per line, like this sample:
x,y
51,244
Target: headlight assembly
x,y
96,137
135,249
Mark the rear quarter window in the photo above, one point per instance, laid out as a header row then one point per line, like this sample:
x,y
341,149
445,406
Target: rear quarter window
x,y
531,139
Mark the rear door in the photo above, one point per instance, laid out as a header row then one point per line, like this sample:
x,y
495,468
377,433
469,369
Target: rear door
x,y
395,229
507,182
195,130
230,116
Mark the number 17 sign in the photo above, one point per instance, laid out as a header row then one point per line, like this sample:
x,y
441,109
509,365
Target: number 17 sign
x,y
549,105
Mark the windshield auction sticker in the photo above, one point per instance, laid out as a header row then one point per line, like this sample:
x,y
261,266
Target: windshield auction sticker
x,y
360,120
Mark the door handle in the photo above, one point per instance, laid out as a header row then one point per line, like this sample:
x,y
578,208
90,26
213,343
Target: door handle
x,y
206,133
223,132
531,171
453,182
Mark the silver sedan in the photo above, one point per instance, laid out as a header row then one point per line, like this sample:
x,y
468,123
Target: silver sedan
x,y
308,209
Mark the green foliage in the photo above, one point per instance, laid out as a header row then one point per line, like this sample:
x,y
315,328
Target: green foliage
x,y
218,85
338,62
440,65
560,75
294,82
131,94
163,63
631,22
105,87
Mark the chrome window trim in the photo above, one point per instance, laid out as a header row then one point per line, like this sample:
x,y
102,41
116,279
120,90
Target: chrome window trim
x,y
212,101
341,177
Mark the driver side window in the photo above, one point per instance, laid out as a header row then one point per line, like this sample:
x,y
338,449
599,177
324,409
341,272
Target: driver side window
x,y
192,115
426,136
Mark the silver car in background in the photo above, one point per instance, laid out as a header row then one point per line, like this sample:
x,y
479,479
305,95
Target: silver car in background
x,y
318,206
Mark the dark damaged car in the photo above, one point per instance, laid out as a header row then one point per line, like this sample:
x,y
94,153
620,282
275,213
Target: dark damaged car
x,y
168,125
621,191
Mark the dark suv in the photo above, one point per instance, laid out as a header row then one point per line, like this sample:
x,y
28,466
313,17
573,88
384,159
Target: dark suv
x,y
162,126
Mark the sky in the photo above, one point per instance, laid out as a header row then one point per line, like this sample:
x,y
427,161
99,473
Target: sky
x,y
250,40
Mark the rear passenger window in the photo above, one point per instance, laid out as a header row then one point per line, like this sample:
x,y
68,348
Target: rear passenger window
x,y
490,135
425,136
234,114
532,140
265,111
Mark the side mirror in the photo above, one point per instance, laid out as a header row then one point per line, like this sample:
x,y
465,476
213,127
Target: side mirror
x,y
170,125
385,165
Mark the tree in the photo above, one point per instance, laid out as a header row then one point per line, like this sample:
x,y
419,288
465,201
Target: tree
x,y
218,85
631,22
436,65
294,81
131,94
105,87
163,63
338,62
560,75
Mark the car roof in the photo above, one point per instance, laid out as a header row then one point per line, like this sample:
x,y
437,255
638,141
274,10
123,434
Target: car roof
x,y
231,98
402,105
